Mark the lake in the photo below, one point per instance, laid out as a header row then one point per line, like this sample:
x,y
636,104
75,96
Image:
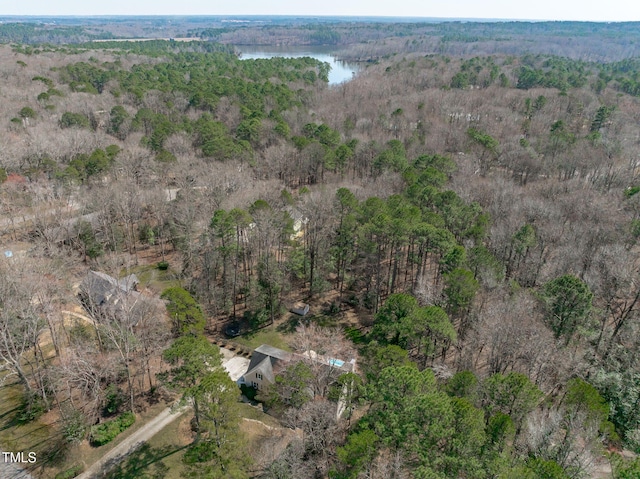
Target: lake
x,y
340,71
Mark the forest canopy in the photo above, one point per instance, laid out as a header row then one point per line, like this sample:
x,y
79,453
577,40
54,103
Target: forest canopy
x,y
461,219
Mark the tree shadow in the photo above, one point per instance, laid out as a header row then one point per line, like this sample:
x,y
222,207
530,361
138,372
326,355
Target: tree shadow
x,y
325,320
54,451
10,418
290,325
32,432
9,411
145,462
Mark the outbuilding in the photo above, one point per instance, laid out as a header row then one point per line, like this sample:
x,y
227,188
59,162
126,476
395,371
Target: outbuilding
x,y
300,308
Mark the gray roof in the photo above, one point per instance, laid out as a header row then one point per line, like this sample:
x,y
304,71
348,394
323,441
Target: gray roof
x,y
265,367
128,283
264,359
295,213
104,294
100,287
273,352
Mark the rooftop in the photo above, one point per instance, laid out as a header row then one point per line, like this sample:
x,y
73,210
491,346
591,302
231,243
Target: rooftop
x,y
273,352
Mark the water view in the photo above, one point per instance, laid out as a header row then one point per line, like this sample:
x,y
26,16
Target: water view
x,y
340,71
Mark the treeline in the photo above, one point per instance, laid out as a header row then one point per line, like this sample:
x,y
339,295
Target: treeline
x,y
463,426
153,48
34,33
360,39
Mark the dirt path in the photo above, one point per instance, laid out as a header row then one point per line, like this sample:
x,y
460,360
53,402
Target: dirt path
x,y
266,426
142,435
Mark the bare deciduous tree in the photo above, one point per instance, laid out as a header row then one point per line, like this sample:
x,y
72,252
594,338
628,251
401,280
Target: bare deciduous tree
x,y
324,349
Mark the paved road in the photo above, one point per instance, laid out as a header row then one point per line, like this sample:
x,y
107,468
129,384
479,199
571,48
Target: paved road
x,y
67,211
61,210
10,470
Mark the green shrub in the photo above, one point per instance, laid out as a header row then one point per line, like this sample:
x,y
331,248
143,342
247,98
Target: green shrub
x,y
163,265
107,431
32,408
71,472
47,81
80,333
113,400
164,156
332,309
249,392
70,120
631,191
256,318
27,112
611,436
146,234
355,335
104,433
73,424
127,419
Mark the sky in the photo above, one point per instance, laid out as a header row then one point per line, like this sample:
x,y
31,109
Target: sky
x,y
586,10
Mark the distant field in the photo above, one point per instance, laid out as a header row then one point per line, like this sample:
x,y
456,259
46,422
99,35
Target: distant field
x,y
147,39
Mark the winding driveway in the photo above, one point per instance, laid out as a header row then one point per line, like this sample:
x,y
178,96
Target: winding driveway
x,y
234,365
139,437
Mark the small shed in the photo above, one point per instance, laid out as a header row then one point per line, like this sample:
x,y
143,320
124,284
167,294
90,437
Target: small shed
x,y
300,308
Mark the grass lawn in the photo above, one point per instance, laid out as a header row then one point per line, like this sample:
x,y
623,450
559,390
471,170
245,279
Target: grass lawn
x,y
250,412
276,334
155,279
172,440
162,455
15,437
268,335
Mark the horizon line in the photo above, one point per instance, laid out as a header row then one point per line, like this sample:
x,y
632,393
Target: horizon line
x,y
248,15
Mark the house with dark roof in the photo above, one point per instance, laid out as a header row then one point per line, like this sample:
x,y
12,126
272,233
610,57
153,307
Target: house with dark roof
x,y
263,365
103,295
268,361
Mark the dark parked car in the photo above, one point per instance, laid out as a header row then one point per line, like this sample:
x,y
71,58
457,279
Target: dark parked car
x,y
232,330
